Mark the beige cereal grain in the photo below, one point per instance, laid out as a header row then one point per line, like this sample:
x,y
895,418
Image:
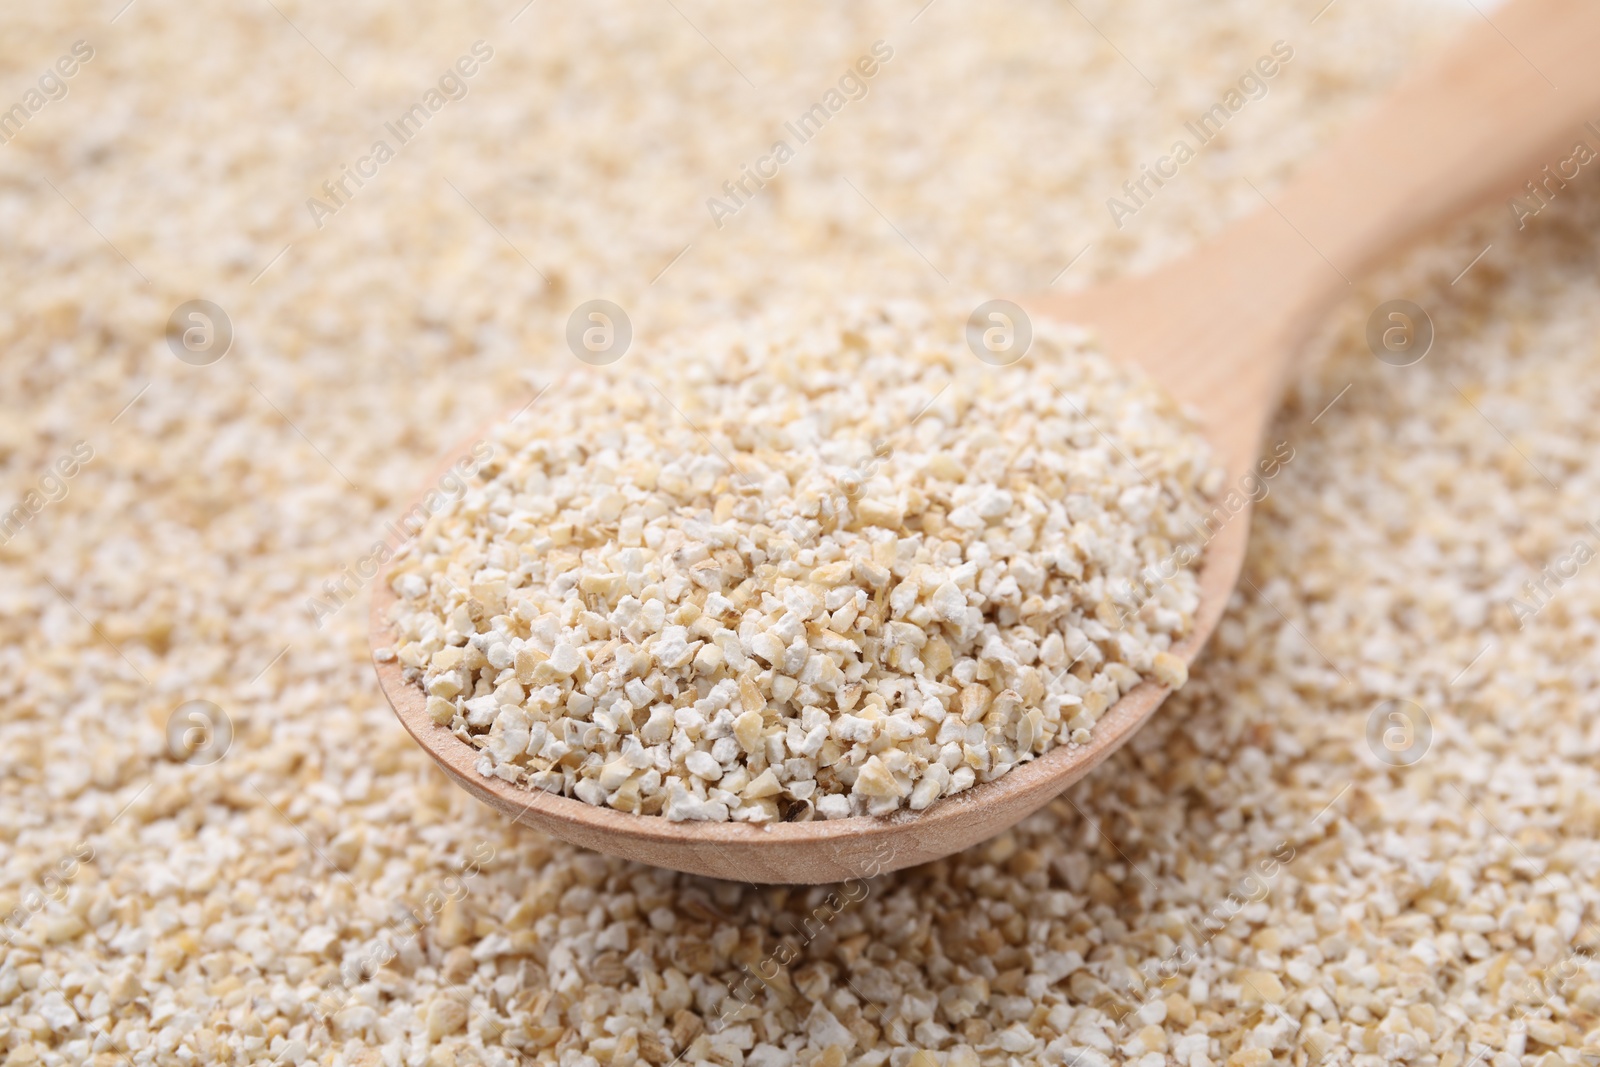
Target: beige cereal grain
x,y
1436,915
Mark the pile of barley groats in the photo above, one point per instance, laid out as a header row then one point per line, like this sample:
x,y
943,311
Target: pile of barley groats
x,y
1363,833
829,568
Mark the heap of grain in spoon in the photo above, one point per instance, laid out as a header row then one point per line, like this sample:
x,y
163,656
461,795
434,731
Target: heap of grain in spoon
x,y
803,569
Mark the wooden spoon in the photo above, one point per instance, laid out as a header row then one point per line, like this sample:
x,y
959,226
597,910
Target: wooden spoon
x,y
1216,329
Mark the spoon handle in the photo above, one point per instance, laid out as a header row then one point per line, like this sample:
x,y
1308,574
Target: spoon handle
x,y
1510,110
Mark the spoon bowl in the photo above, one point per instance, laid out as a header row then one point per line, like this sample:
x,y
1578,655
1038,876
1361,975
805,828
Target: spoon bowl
x,y
823,850
1216,330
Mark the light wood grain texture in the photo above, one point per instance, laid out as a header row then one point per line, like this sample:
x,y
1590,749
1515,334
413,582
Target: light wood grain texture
x,y
1216,329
